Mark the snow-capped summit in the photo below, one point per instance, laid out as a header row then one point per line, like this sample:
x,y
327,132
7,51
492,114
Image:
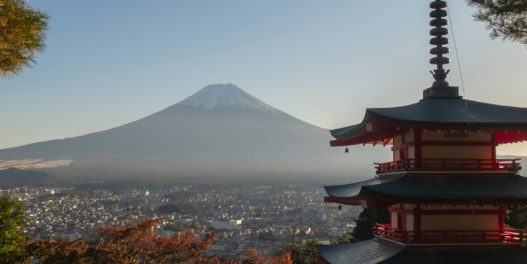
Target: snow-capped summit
x,y
225,95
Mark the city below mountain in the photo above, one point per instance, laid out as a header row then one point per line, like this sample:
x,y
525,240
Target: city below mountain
x,y
219,133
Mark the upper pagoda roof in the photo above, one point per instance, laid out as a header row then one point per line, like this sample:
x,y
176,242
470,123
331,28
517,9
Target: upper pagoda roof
x,y
455,111
433,188
435,113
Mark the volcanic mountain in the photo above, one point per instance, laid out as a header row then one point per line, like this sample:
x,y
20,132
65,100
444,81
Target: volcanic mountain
x,y
220,131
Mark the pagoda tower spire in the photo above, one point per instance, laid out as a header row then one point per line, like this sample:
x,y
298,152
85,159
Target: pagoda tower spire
x,y
440,87
439,40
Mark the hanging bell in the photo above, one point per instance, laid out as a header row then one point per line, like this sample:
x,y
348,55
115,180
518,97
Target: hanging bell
x,y
346,150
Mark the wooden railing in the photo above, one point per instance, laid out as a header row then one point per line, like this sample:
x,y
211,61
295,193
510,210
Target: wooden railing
x,y
505,237
503,165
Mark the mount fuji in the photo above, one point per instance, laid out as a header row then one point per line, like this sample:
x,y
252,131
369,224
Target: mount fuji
x,y
220,132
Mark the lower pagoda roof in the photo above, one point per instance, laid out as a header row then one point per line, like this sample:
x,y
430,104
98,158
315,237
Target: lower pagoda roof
x,y
436,114
368,251
433,188
380,251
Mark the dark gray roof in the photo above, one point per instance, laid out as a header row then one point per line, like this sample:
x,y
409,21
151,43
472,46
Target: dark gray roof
x,y
446,111
440,187
455,111
461,255
339,132
380,251
364,252
352,189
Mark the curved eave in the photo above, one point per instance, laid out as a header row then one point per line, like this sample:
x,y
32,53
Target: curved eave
x,y
370,130
372,199
456,111
379,250
343,131
350,190
351,194
368,251
433,189
387,121
379,125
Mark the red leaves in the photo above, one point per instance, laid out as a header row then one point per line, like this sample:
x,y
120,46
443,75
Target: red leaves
x,y
138,243
255,257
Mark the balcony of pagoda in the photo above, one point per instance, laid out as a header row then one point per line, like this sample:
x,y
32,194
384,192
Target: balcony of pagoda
x,y
506,237
450,165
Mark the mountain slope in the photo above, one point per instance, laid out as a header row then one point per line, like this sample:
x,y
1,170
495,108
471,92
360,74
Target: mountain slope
x,y
221,130
16,177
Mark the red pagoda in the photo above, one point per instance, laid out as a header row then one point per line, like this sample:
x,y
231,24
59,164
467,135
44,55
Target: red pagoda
x,y
445,189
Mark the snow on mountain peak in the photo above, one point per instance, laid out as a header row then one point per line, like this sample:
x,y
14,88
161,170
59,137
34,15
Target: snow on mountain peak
x,y
221,95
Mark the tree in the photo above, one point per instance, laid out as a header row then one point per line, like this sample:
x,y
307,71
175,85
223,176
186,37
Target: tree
x,y
138,244
255,257
124,244
21,35
304,253
517,218
507,19
12,241
367,218
342,239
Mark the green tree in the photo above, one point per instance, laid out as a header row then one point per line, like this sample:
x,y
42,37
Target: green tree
x,y
367,218
305,253
507,19
517,218
21,35
342,239
12,241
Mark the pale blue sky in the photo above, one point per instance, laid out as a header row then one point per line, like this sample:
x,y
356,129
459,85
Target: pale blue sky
x,y
111,62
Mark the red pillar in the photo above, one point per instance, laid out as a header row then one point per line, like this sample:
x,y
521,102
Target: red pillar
x,y
418,148
417,222
493,149
501,219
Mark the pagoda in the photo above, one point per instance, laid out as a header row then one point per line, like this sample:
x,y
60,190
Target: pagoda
x,y
445,189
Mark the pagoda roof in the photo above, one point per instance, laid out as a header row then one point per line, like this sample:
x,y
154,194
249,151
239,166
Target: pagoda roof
x,y
455,111
433,113
368,251
380,251
433,188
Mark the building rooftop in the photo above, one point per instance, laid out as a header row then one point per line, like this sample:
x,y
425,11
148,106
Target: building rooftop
x,y
379,251
436,113
369,251
434,188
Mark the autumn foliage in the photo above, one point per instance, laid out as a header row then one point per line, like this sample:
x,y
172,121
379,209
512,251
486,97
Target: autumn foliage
x,y
21,35
138,243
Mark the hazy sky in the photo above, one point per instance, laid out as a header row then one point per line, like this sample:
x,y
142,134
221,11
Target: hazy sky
x,y
109,62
